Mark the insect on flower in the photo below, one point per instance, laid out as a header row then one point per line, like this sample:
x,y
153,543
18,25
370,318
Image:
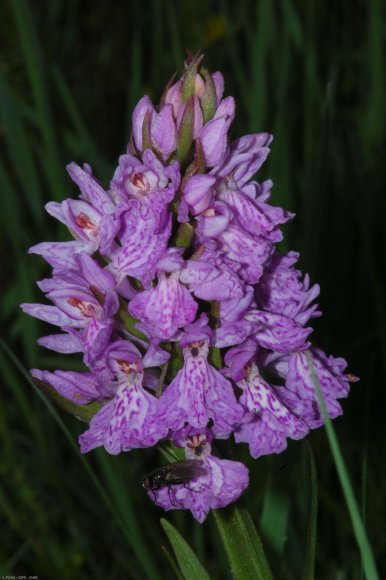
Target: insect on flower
x,y
177,472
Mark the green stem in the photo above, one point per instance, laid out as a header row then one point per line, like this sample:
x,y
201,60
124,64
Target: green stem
x,y
129,323
164,370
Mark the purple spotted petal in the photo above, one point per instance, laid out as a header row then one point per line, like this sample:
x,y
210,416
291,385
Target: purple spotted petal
x,y
77,303
93,273
236,358
144,244
96,339
282,291
269,423
60,255
233,333
256,218
155,356
167,307
234,328
197,192
63,343
234,309
213,222
79,216
209,282
246,254
260,436
200,393
171,260
246,156
51,314
128,421
278,332
329,373
197,331
146,180
123,350
91,189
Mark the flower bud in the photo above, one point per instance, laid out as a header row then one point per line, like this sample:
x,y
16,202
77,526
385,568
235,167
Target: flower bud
x,y
201,113
154,130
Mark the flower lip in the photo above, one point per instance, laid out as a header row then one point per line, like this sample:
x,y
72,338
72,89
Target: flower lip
x,y
195,347
136,182
196,444
87,309
248,369
124,357
197,332
85,223
127,367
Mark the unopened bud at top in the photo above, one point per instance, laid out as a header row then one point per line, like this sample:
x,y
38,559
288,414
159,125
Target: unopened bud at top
x,y
191,111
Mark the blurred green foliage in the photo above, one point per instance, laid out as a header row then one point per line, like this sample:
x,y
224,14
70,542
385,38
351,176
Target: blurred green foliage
x,y
313,74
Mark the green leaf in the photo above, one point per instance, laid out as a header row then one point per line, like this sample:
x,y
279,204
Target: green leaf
x,y
190,565
242,544
309,566
368,562
170,452
256,542
274,518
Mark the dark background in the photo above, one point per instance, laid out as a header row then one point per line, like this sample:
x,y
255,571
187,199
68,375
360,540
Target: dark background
x,y
312,73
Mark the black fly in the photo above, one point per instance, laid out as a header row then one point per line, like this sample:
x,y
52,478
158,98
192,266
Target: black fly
x,y
177,472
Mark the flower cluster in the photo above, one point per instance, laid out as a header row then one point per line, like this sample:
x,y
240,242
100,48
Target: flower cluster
x,y
192,325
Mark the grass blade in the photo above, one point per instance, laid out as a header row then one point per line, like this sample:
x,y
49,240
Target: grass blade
x,y
309,566
34,64
369,566
20,151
